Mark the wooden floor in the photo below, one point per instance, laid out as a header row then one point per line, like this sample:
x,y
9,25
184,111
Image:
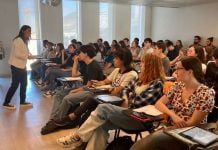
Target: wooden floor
x,y
20,128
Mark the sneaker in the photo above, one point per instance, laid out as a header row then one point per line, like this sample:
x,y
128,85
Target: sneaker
x,y
49,128
69,141
63,121
26,104
9,106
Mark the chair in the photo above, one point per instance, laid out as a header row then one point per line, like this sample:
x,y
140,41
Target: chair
x,y
141,126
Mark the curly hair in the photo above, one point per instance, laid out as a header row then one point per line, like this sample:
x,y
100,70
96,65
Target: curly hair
x,y
153,68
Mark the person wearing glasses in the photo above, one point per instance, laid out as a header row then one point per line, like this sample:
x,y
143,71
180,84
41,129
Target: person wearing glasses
x,y
18,60
191,103
144,91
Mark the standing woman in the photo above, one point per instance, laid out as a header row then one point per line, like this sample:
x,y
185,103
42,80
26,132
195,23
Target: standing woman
x,y
18,59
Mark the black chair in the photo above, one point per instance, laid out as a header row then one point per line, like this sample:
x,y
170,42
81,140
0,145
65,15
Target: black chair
x,y
133,126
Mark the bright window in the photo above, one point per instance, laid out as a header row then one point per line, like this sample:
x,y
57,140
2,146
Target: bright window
x,y
105,21
71,21
137,22
29,15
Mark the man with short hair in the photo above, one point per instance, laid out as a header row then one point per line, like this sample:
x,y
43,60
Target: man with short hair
x,y
173,52
197,41
146,49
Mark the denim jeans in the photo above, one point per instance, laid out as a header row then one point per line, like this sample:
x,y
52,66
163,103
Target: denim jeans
x,y
19,76
95,129
64,101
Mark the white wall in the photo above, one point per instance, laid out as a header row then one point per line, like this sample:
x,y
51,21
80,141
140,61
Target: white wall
x,y
184,23
122,14
89,22
51,23
148,21
9,28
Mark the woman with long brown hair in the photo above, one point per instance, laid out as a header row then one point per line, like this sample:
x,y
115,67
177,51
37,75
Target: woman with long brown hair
x,y
144,91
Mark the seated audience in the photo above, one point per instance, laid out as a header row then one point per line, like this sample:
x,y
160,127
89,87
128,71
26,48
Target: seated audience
x,y
199,53
197,41
35,66
211,77
147,48
144,91
65,70
178,44
118,79
173,52
191,103
108,60
126,41
209,48
159,50
135,49
182,53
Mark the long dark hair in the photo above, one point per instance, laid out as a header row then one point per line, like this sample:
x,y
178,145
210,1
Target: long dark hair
x,y
194,64
21,33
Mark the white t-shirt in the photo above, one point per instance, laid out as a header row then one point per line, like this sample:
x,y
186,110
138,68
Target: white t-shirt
x,y
119,79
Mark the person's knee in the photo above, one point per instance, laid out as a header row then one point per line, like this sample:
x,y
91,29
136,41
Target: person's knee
x,y
102,108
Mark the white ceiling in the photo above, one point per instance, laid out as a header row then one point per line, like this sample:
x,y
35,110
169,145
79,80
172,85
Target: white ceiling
x,y
159,3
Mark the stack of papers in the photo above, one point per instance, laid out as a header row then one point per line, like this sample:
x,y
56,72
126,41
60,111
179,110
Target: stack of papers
x,y
149,109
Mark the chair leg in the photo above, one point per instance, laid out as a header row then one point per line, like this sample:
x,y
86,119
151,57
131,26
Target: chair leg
x,y
136,137
140,134
117,133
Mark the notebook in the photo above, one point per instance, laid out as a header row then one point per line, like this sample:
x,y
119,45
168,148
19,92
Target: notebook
x,y
149,109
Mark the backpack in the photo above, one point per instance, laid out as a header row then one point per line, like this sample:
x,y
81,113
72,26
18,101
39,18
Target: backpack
x,y
120,143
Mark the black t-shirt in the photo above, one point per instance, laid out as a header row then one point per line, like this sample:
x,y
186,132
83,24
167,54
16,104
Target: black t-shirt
x,y
69,62
211,75
93,72
173,54
58,59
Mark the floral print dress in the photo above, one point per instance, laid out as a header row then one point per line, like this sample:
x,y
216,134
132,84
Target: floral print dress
x,y
202,99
